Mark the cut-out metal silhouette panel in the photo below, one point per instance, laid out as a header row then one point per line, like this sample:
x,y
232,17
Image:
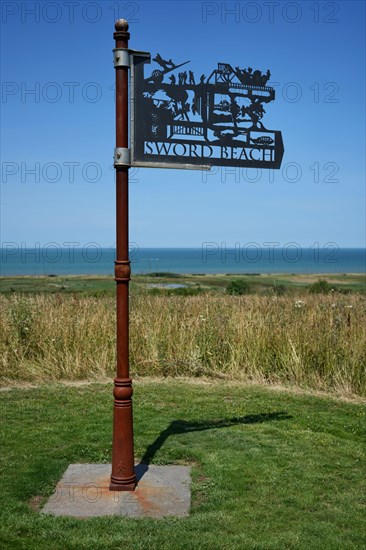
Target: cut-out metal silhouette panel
x,y
180,119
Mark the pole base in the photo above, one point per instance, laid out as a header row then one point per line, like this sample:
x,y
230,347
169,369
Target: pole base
x,y
128,484
82,492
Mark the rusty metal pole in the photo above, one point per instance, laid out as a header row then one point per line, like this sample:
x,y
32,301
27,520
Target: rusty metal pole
x,y
123,476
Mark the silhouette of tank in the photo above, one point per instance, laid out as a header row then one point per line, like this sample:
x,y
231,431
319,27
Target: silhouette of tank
x,y
262,140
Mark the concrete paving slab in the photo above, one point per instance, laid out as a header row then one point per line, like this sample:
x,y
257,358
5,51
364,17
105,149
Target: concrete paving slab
x,y
83,492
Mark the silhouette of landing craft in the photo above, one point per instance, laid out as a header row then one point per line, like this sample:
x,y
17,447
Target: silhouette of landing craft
x,y
157,76
228,134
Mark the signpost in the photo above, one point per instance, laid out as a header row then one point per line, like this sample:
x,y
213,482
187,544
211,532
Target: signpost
x,y
178,120
123,476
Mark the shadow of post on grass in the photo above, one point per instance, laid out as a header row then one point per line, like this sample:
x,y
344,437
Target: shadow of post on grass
x,y
185,426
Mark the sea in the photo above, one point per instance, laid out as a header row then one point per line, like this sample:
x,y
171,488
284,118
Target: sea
x,y
209,259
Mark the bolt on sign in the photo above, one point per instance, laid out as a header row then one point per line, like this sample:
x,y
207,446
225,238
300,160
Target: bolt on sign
x,y
183,120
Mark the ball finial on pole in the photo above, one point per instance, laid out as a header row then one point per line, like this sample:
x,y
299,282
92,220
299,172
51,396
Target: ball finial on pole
x,y
121,35
121,25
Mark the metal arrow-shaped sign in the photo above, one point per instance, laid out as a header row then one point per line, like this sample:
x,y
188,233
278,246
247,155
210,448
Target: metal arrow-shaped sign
x,y
180,120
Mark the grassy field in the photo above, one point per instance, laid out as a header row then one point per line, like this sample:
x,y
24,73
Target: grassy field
x,y
270,469
306,340
258,283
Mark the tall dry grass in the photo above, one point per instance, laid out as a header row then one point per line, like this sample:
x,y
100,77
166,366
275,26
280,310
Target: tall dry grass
x,y
316,343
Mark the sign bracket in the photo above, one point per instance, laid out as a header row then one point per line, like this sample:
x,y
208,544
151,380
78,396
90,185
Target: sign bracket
x,y
122,157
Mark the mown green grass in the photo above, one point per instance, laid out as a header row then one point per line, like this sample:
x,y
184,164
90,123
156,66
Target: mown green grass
x,y
270,469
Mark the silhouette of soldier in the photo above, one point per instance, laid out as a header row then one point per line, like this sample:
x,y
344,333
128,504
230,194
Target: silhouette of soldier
x,y
202,79
191,78
266,77
172,79
182,111
184,77
234,110
257,78
256,112
247,75
180,77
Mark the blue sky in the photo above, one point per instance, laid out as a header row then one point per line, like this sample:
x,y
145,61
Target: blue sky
x,y
57,130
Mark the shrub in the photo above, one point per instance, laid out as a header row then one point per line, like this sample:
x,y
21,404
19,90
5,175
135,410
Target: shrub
x,y
164,274
279,290
238,287
320,287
